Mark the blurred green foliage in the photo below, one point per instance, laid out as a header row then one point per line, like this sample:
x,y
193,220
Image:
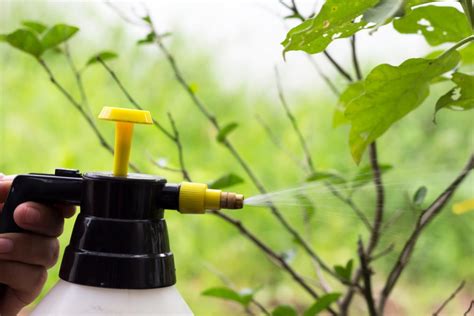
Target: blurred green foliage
x,y
40,130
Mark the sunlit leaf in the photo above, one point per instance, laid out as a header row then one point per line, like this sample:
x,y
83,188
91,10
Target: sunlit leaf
x,y
366,175
221,136
26,41
229,294
105,55
420,195
322,303
336,19
344,272
226,181
352,91
284,310
35,26
390,93
467,54
57,35
437,24
461,97
463,207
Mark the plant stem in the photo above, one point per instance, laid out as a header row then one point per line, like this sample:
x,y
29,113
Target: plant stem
x,y
450,298
79,107
366,274
423,220
354,58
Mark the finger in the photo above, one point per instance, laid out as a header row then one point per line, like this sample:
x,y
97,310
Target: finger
x,y
67,210
25,282
39,218
29,248
4,189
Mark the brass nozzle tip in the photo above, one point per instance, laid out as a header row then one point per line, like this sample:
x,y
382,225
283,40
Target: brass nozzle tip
x,y
232,200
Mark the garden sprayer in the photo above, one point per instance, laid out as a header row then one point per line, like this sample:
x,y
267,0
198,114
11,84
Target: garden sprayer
x,y
118,261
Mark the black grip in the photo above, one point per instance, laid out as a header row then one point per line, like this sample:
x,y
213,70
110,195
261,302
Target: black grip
x,y
38,188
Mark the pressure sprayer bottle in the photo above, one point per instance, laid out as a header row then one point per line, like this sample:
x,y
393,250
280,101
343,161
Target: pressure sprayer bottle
x,y
118,261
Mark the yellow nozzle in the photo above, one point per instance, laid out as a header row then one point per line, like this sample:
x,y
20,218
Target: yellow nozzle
x,y
195,198
124,118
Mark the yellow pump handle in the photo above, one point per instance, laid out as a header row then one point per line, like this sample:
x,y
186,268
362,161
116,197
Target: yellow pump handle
x,y
124,118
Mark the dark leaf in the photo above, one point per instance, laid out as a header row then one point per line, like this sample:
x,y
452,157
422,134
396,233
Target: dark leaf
x,y
229,294
322,303
147,19
149,38
366,175
35,26
307,205
105,55
420,195
26,41
225,131
284,310
331,176
344,272
226,181
57,35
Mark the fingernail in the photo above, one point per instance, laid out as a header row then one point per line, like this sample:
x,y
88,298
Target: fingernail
x,y
32,216
6,245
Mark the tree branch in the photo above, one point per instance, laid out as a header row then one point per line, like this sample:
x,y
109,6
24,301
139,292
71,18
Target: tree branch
x,y
450,298
423,220
131,99
80,108
354,58
366,275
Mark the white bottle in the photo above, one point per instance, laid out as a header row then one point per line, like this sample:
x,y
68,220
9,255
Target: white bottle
x,y
67,298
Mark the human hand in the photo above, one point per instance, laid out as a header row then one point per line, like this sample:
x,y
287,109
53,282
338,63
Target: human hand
x,y
25,257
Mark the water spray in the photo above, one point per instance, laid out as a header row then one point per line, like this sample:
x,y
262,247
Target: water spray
x,y
118,260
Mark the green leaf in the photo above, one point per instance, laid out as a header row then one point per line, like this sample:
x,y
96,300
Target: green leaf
x,y
330,175
149,38
420,195
105,55
3,37
226,181
461,97
26,41
366,175
344,272
221,137
467,54
352,91
437,24
307,205
383,11
390,93
284,310
57,35
322,303
35,26
147,19
228,294
336,19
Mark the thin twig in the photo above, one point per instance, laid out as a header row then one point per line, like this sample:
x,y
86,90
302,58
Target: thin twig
x,y
380,199
366,275
273,255
354,58
450,298
179,146
326,79
423,220
382,253
471,305
293,121
130,98
79,107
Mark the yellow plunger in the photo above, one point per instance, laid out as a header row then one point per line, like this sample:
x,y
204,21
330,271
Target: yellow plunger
x,y
124,118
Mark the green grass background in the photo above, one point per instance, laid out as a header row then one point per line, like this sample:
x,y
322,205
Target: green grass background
x,y
40,131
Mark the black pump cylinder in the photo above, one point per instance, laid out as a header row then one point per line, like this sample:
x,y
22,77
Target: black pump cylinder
x,y
120,239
